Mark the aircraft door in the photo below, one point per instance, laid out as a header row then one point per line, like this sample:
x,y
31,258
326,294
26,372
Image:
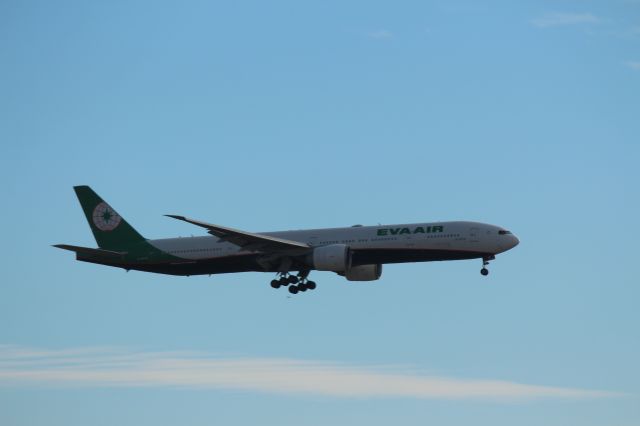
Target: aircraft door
x,y
474,235
409,241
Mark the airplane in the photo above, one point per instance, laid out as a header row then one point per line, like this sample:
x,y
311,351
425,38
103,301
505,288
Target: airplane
x,y
356,253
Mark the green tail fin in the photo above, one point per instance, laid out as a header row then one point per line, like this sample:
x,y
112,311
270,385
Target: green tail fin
x,y
111,231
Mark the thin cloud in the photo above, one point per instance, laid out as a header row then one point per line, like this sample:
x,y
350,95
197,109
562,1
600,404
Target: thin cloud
x,y
380,34
634,65
563,19
109,367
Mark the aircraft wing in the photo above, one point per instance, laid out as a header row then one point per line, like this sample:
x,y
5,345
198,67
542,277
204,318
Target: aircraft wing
x,y
246,240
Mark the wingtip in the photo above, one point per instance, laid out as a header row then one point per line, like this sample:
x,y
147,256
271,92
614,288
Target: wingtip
x,y
175,216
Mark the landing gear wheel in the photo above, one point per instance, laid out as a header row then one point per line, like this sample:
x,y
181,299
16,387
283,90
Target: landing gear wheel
x,y
311,285
292,279
302,287
275,284
283,281
485,261
293,289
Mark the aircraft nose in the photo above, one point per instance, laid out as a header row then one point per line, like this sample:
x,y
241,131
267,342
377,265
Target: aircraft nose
x,y
514,241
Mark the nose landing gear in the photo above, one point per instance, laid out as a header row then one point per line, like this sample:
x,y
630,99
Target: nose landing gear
x,y
485,262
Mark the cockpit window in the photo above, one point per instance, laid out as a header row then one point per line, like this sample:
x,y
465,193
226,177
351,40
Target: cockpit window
x,y
503,232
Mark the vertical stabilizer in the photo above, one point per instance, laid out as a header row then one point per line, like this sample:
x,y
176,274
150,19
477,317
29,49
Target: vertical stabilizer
x,y
111,231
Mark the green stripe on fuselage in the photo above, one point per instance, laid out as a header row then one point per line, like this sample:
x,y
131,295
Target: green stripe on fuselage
x,y
135,254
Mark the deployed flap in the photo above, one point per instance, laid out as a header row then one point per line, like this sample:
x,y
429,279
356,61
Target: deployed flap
x,y
90,251
246,240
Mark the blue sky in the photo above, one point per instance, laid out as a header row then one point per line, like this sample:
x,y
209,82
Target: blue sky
x,y
287,115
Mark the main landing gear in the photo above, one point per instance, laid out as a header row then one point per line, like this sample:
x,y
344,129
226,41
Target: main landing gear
x,y
296,283
485,261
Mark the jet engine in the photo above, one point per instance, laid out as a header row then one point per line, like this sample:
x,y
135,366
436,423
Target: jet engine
x,y
337,258
364,272
334,257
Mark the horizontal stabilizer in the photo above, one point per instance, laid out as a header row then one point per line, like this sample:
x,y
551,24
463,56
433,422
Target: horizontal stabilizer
x,y
246,240
90,251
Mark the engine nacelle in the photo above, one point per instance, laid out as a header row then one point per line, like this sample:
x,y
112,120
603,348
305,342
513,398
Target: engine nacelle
x,y
364,273
334,257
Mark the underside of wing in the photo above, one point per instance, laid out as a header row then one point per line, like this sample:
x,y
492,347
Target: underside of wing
x,y
247,240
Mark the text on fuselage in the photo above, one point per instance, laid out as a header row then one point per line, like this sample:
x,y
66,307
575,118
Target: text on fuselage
x,y
418,230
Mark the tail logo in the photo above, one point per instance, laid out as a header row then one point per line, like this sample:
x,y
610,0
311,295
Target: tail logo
x,y
105,218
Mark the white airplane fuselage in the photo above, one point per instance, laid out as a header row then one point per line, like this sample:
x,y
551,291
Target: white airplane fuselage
x,y
459,239
381,244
